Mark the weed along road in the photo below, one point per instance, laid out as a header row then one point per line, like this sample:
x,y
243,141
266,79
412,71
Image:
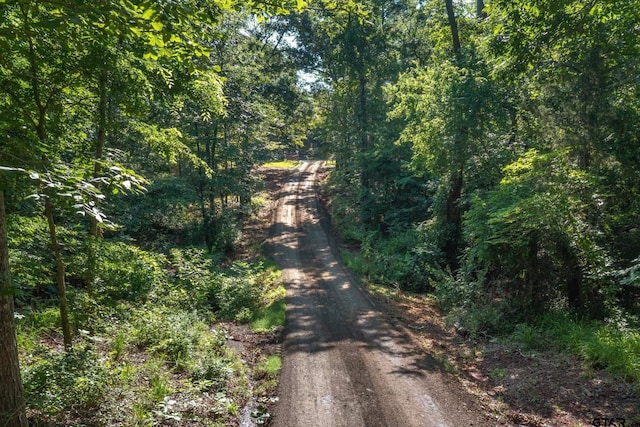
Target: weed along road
x,y
344,364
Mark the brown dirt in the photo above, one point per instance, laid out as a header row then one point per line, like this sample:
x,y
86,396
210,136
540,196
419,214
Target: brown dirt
x,y
518,387
256,229
344,362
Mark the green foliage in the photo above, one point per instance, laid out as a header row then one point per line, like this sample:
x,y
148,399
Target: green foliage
x,y
269,317
173,334
615,349
39,319
57,382
89,93
614,345
242,294
121,272
401,261
164,211
532,229
194,282
270,366
29,256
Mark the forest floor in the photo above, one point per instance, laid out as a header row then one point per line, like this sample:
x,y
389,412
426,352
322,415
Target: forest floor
x,y
513,386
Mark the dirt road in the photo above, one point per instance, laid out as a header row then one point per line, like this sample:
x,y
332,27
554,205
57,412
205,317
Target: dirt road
x,y
344,364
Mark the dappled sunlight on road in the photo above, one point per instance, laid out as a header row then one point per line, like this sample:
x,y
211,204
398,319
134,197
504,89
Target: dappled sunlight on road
x,y
344,364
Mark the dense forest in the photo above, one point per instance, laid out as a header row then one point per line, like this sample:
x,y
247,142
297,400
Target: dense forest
x,y
488,153
484,152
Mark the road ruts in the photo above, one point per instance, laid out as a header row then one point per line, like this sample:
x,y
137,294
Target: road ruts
x,y
343,363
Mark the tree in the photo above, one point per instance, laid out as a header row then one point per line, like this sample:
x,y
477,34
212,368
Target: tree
x,y
456,121
356,56
42,45
12,407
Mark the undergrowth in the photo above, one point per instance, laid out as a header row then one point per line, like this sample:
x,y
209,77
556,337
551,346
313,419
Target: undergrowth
x,y
613,345
148,348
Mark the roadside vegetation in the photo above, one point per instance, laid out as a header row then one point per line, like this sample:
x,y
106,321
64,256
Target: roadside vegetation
x,y
493,167
151,346
132,136
484,154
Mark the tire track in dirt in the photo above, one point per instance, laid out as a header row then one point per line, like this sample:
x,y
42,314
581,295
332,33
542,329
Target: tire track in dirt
x,y
343,363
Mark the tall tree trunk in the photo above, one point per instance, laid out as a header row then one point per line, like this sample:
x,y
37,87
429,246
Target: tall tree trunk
x,y
532,297
60,275
480,13
454,218
12,408
364,123
453,213
100,141
453,25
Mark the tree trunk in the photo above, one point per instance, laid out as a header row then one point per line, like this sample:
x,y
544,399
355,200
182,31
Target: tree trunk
x,y
480,13
453,25
100,141
12,408
454,218
364,119
453,214
60,275
532,274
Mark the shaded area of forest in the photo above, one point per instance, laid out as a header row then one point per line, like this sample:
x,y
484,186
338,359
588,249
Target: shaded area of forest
x,y
486,154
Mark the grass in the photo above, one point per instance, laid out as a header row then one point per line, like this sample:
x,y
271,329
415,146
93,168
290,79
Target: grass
x,y
386,293
611,345
272,365
282,164
265,374
269,317
273,313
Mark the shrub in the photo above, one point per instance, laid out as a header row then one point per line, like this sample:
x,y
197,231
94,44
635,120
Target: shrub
x,y
193,282
243,293
173,334
121,271
164,211
57,382
531,236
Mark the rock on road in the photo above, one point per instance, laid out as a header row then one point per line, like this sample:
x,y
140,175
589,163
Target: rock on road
x,y
344,364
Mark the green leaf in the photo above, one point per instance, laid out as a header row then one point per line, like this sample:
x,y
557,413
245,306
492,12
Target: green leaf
x,y
149,13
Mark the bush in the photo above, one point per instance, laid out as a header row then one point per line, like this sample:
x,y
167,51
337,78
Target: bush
x,y
193,282
530,235
165,211
30,257
405,260
120,271
57,382
240,296
175,335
